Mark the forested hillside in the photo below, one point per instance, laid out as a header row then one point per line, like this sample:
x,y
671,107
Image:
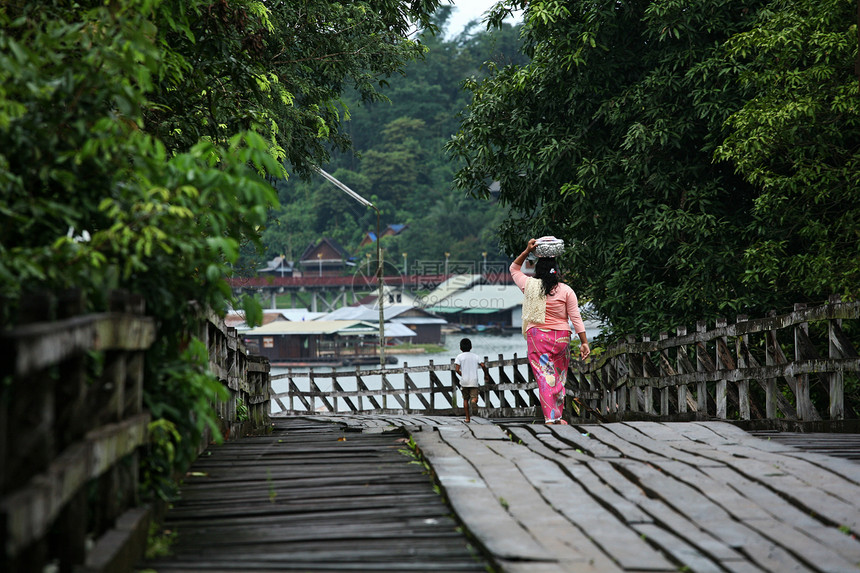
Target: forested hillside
x,y
400,163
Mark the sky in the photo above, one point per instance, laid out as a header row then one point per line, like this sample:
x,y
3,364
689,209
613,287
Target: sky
x,y
465,11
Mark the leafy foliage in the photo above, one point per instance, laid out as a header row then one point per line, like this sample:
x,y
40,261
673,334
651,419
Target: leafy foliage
x,y
798,140
138,142
623,135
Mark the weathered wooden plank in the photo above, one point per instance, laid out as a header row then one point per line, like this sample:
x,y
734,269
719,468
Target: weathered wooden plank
x,y
582,440
699,509
578,506
476,504
827,459
319,498
793,518
662,512
685,553
631,435
561,541
776,472
29,511
37,346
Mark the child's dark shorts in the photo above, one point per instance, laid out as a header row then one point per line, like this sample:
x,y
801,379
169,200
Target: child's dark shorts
x,y
469,392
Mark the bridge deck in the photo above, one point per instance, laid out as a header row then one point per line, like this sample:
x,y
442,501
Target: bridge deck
x,y
629,497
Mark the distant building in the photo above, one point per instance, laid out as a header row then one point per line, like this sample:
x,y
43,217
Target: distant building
x,y
324,258
427,328
390,231
483,306
278,267
237,319
315,342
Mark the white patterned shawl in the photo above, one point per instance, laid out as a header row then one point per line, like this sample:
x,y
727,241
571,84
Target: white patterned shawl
x,y
534,304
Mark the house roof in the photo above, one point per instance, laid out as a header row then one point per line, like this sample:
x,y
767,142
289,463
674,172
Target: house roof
x,y
297,314
324,240
277,264
449,287
372,314
342,327
481,297
419,320
237,319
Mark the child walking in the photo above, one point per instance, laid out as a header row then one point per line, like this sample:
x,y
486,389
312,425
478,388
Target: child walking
x,y
466,365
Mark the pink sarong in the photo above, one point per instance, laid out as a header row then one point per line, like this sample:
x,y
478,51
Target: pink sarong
x,y
549,357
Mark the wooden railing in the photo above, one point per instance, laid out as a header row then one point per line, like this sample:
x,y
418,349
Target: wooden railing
x,y
762,369
508,390
246,376
752,369
72,425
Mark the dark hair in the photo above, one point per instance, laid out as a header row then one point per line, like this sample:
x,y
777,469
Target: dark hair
x,y
465,345
547,271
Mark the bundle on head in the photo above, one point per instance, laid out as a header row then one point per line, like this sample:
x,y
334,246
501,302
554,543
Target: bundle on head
x,y
547,271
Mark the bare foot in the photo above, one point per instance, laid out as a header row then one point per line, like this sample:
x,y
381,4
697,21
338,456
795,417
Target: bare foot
x,y
468,420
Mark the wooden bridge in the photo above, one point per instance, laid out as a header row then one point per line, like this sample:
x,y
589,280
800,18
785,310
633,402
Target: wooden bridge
x,y
654,473
340,493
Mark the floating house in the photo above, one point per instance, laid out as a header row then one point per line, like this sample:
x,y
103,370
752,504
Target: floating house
x,y
426,326
322,342
482,307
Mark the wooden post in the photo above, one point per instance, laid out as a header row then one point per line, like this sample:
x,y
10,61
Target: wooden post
x,y
837,382
633,390
682,360
486,392
358,388
311,385
742,349
453,387
334,387
804,402
405,386
432,388
664,391
621,391
722,386
701,386
649,390
770,360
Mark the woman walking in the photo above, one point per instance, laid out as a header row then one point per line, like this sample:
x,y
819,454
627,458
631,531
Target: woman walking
x,y
548,309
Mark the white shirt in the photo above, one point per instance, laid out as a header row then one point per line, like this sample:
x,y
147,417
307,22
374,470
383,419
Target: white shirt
x,y
468,362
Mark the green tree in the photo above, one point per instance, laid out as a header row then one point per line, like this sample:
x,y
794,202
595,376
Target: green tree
x,y
797,138
606,138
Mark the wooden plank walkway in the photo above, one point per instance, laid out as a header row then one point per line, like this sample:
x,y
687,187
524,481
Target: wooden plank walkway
x,y
622,497
313,497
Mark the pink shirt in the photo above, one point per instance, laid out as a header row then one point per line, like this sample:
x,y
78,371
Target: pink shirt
x,y
560,305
